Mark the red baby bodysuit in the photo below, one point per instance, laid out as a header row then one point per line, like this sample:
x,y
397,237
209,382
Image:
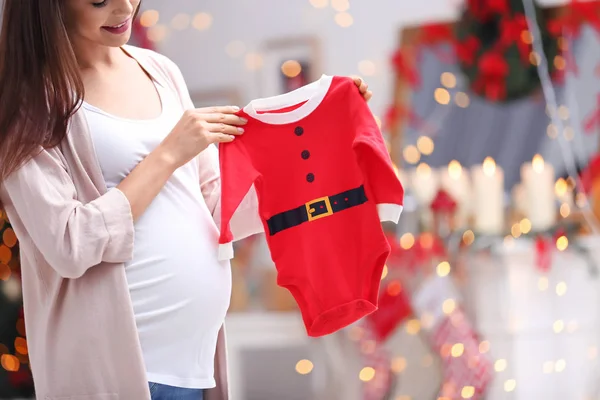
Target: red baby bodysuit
x,y
324,181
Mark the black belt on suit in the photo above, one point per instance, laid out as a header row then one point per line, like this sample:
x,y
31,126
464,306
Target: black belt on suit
x,y
317,208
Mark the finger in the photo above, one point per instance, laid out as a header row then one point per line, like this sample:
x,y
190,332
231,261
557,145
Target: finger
x,y
229,119
360,84
224,128
368,95
363,88
357,80
221,138
218,110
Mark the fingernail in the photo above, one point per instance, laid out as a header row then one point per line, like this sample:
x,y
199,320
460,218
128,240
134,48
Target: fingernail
x,y
236,108
241,130
231,137
244,120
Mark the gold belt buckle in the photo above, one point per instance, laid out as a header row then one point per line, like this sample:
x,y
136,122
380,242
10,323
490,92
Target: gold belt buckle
x,y
310,210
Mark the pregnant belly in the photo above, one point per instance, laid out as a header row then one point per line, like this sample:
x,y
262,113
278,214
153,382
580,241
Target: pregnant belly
x,y
178,288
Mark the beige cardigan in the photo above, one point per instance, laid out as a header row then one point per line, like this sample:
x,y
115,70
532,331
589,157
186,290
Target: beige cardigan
x,y
74,237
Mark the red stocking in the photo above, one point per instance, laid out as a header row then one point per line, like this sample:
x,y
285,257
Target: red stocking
x,y
466,372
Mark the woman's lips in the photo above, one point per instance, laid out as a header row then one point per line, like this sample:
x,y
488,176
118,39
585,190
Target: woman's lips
x,y
118,29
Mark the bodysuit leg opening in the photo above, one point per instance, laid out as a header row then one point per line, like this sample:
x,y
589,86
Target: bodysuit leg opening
x,y
372,293
320,322
307,310
341,316
366,302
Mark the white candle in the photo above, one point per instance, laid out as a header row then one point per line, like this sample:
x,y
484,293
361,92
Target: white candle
x,y
425,185
488,197
455,180
538,181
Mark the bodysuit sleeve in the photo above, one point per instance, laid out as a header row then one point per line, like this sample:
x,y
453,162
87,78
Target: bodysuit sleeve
x,y
245,221
382,185
237,187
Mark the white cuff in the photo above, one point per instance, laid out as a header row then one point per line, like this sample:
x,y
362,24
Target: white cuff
x,y
389,212
225,251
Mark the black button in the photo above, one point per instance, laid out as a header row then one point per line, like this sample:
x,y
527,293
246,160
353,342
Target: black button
x,y
305,154
310,177
299,130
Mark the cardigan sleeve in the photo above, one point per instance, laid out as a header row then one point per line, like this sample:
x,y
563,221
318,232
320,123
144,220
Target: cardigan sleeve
x,y
382,185
245,221
237,180
71,236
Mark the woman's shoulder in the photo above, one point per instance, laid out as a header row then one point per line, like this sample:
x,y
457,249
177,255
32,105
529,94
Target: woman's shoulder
x,y
162,69
151,57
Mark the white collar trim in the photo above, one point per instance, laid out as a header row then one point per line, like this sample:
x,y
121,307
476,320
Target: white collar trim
x,y
313,94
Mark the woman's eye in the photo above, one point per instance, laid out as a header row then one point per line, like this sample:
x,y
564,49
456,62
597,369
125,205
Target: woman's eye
x,y
99,4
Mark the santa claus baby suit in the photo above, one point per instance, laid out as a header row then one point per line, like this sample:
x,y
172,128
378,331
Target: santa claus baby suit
x,y
324,180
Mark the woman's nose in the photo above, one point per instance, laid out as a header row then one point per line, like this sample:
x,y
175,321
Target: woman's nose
x,y
124,7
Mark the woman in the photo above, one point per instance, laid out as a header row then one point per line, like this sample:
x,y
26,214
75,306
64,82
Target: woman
x,y
100,144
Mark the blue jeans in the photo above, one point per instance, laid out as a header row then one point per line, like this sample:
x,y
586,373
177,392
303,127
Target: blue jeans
x,y
164,392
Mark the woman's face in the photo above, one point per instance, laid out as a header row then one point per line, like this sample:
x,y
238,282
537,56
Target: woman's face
x,y
103,22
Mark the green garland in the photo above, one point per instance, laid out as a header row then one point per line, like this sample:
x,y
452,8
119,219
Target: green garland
x,y
497,55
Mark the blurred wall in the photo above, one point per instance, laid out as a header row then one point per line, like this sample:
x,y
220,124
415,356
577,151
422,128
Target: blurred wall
x,y
373,36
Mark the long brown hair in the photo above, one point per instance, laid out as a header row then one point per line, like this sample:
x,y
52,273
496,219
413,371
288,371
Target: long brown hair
x,y
40,85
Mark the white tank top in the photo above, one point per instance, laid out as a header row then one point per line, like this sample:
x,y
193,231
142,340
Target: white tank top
x,y
179,289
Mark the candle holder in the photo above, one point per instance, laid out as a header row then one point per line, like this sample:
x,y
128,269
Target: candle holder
x,y
424,184
456,181
443,208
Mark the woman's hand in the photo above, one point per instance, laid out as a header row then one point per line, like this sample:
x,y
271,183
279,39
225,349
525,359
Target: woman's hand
x,y
194,132
362,87
197,129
